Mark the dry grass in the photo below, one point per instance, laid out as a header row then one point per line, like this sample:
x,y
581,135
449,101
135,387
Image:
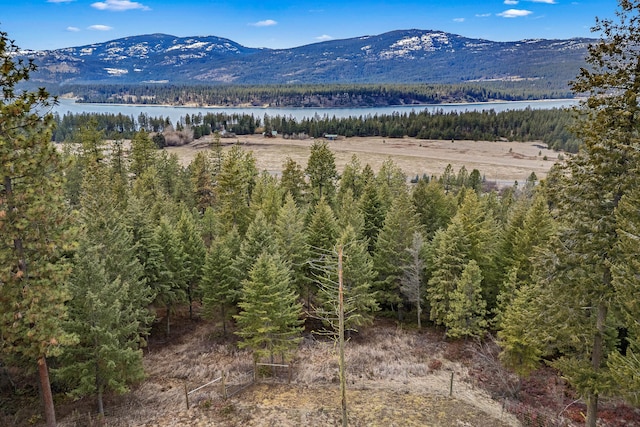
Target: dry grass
x,y
391,374
502,161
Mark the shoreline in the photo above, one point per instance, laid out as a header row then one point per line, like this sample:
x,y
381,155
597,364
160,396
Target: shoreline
x,y
268,106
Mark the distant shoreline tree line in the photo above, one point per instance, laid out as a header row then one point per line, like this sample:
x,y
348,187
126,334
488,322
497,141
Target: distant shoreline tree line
x,y
316,96
552,127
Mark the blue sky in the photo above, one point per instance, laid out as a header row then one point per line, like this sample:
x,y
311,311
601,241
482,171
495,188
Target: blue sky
x,y
52,24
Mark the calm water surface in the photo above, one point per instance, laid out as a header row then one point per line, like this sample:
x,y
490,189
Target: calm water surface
x,y
175,113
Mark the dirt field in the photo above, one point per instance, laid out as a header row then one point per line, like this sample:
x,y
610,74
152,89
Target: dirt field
x,y
499,161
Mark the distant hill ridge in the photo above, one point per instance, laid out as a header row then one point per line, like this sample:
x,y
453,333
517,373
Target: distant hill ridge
x,y
402,56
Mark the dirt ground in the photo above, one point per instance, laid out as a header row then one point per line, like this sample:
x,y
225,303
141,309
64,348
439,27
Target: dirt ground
x,y
500,161
396,377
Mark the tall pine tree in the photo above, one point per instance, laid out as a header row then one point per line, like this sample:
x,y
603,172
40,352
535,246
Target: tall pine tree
x,y
35,228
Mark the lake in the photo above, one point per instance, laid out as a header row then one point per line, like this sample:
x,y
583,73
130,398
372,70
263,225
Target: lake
x,y
175,112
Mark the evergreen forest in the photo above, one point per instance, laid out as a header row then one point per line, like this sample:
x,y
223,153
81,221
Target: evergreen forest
x,y
552,127
99,239
297,95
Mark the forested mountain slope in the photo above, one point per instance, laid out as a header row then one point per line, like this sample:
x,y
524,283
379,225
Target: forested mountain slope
x,y
403,56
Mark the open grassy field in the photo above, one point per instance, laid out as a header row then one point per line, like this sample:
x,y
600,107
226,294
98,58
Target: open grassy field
x,y
500,161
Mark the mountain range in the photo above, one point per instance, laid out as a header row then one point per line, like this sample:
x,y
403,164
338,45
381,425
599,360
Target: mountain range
x,y
403,56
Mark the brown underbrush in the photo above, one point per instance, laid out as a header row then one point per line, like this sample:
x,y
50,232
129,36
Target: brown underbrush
x,y
396,376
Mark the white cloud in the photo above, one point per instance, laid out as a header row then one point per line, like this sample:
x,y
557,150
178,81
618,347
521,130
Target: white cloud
x,y
544,1
324,38
265,23
511,2
119,5
458,19
100,28
515,13
73,29
483,15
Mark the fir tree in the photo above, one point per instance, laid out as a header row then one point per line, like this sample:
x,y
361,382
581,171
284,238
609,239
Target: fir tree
x,y
322,173
194,256
219,286
520,349
391,255
143,153
234,187
357,275
435,208
292,181
169,278
269,321
260,237
467,309
322,233
625,364
291,239
450,254
373,213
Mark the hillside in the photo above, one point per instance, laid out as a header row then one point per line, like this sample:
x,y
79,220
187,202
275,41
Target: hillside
x,y
397,376
403,56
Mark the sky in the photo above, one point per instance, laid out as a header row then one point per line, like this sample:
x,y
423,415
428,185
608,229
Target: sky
x,y
53,24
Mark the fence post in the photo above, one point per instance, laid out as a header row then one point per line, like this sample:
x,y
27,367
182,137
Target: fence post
x,y
451,385
289,379
186,394
224,386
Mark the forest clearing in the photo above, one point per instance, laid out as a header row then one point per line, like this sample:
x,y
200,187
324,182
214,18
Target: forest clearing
x,y
397,376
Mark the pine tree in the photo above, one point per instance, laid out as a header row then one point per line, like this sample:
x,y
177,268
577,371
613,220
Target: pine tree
x,y
391,181
350,214
351,179
210,226
35,227
269,321
527,235
581,302
267,196
373,213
